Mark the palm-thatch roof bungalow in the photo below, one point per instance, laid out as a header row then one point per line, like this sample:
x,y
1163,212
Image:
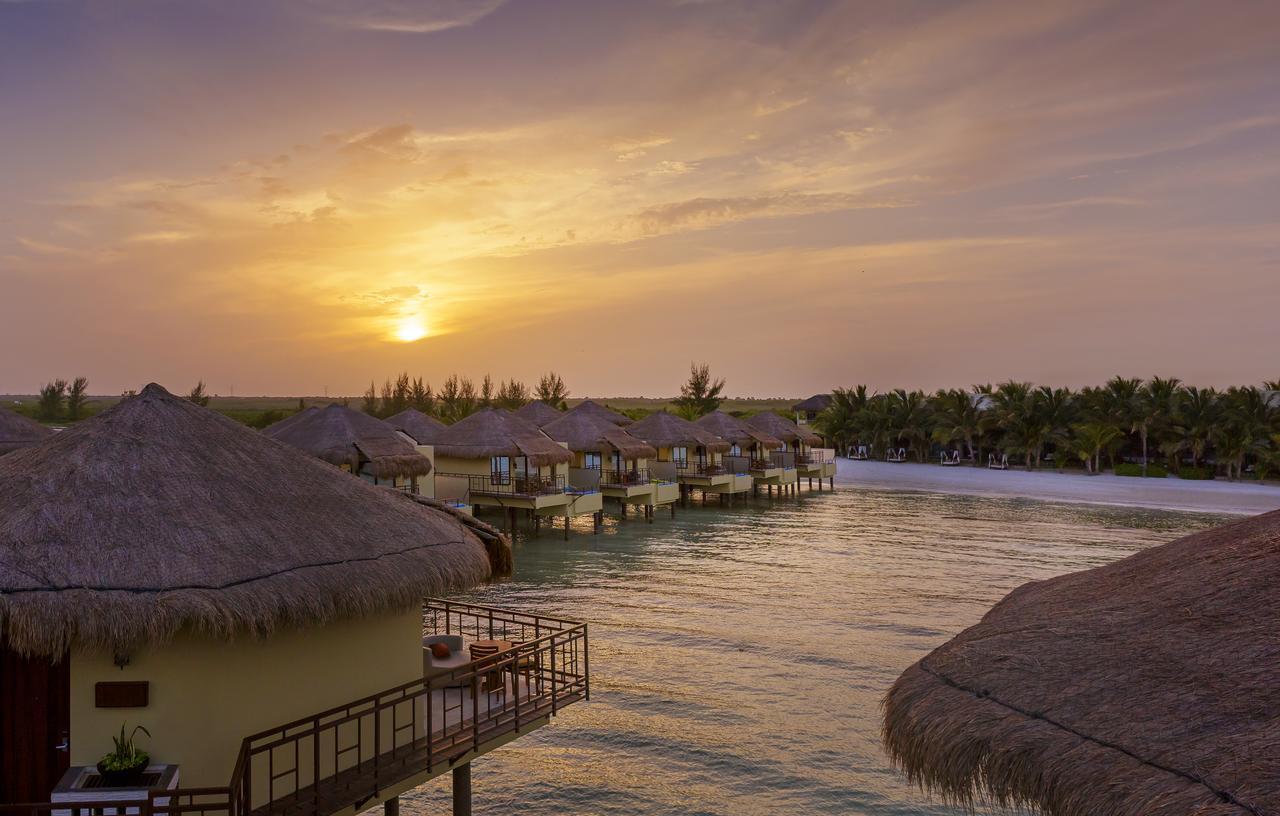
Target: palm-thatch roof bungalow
x,y
599,411
611,459
17,432
807,411
163,565
804,448
750,449
355,442
494,458
1144,686
421,428
538,412
691,452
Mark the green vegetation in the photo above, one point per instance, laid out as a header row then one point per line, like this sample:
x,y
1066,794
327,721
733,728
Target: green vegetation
x,y
700,395
126,755
1199,473
198,396
1129,422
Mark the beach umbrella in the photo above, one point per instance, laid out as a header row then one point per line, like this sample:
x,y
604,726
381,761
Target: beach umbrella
x,y
1147,686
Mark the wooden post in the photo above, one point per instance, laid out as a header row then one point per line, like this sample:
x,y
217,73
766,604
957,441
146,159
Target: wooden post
x,y
462,790
566,526
391,807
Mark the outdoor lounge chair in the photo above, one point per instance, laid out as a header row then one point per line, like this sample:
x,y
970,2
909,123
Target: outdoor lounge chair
x,y
953,459
859,454
998,464
432,665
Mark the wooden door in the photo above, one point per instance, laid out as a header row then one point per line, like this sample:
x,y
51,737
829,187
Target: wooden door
x,y
35,701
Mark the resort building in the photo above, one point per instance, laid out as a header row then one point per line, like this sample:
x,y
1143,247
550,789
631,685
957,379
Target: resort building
x,y
691,455
355,442
420,428
262,615
751,450
538,413
807,411
17,432
803,451
599,411
495,459
608,459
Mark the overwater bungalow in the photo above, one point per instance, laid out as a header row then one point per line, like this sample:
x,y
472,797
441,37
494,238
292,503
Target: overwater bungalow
x,y
18,432
355,442
495,459
599,411
264,616
420,428
538,412
750,450
613,461
1144,686
804,449
690,454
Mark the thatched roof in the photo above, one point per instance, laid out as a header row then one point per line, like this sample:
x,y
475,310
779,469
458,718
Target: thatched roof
x,y
538,412
736,431
782,428
494,432
344,436
583,431
1146,686
17,431
424,429
159,516
664,430
818,402
597,410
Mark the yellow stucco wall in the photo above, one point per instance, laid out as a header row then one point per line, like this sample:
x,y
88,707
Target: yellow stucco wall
x,y
206,696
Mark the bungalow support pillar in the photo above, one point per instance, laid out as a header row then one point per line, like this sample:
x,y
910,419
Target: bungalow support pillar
x,y
391,807
462,790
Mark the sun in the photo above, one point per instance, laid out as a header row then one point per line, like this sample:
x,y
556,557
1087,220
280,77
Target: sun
x,y
410,329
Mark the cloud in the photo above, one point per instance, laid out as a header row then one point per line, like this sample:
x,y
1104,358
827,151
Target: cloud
x,y
701,213
404,16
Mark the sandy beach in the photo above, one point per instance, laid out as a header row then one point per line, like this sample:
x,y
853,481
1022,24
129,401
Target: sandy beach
x,y
1235,498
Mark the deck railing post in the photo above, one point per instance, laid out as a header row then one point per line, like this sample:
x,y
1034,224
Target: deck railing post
x,y
553,674
586,663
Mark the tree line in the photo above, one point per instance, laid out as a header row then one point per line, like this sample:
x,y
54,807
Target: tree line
x,y
458,397
1158,426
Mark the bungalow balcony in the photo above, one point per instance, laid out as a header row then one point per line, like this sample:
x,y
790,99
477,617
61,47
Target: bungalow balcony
x,y
366,751
542,493
634,485
816,462
715,477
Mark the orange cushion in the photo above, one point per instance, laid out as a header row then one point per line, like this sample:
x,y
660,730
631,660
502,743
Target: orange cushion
x,y
440,650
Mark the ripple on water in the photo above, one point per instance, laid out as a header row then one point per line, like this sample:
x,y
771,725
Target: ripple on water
x,y
739,655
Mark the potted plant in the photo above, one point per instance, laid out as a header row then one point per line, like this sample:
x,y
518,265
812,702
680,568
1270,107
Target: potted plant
x,y
124,766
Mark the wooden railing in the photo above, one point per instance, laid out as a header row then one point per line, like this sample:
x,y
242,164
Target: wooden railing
x,y
624,478
350,754
513,485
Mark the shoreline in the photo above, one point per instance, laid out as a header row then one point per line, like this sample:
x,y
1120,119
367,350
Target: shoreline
x,y
1220,497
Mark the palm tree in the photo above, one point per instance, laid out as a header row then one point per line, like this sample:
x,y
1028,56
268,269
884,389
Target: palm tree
x,y
1199,413
910,412
1246,427
845,419
957,419
1122,407
1090,439
1158,406
1055,409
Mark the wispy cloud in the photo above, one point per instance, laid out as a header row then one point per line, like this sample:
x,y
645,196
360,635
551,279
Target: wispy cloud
x,y
403,16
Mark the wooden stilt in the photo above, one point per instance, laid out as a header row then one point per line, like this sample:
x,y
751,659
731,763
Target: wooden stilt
x,y
566,526
391,807
462,790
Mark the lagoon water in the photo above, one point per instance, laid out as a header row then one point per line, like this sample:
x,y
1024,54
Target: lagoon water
x,y
739,655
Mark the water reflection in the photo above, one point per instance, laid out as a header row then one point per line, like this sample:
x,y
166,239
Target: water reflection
x,y
739,655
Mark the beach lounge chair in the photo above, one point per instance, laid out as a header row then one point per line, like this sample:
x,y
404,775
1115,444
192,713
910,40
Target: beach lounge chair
x,y
953,459
998,464
860,453
899,455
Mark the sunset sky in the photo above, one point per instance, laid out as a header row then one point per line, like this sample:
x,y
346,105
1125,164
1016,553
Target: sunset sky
x,y
284,197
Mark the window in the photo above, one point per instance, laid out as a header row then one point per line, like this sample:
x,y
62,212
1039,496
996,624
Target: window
x,y
591,460
735,449
680,456
500,469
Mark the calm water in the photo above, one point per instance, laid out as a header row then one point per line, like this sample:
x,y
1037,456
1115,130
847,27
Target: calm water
x,y
739,656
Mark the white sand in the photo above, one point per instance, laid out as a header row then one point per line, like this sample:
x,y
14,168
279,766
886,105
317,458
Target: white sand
x,y
1167,494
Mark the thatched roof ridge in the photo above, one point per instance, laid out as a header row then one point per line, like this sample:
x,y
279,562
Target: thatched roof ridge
x,y
584,431
159,516
1145,686
424,429
494,432
344,436
595,409
818,402
538,412
782,428
727,426
17,431
664,430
